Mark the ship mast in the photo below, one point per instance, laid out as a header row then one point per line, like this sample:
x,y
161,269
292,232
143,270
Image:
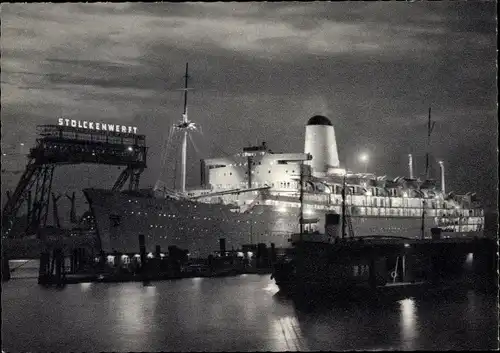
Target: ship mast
x,y
430,127
343,206
184,134
184,126
301,219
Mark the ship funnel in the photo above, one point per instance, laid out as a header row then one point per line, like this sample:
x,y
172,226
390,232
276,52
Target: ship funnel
x,y
441,164
320,142
410,165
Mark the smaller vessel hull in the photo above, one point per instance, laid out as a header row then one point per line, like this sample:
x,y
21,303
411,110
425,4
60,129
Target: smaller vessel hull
x,y
387,267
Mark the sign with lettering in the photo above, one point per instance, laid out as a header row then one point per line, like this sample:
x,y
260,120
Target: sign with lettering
x,y
91,125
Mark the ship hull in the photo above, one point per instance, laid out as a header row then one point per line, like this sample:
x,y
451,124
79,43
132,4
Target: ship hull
x,y
197,226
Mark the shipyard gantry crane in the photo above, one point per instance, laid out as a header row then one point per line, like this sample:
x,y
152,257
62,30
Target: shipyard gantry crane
x,y
62,145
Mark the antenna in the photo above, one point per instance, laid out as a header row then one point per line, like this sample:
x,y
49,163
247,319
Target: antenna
x,y
184,135
184,126
186,77
343,205
422,227
301,220
430,127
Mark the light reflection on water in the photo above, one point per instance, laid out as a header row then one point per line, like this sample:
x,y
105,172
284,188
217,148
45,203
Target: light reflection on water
x,y
272,288
288,335
85,286
242,313
408,322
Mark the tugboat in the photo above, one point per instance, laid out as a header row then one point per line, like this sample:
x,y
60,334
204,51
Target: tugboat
x,y
345,267
311,264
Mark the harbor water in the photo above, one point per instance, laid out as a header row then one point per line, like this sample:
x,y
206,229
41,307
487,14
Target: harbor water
x,y
242,313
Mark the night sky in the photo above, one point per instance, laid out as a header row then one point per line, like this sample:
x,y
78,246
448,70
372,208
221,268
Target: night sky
x,y
260,70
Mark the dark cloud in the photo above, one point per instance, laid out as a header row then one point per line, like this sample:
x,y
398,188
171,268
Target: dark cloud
x,y
480,19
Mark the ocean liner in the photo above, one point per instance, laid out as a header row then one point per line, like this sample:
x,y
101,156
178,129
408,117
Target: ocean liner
x,y
254,196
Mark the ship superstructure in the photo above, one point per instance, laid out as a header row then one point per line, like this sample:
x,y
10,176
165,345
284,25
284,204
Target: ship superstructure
x,y
367,195
254,196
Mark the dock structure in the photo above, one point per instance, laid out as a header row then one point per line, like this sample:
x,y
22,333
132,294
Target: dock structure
x,y
61,265
52,269
374,262
5,268
62,145
29,235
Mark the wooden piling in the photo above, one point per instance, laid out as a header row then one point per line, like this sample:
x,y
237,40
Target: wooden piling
x,y
372,277
43,271
53,262
59,266
73,261
273,255
157,260
83,258
158,251
144,267
5,268
142,250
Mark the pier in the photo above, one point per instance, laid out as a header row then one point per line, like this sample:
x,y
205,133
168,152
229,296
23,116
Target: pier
x,y
63,262
64,145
